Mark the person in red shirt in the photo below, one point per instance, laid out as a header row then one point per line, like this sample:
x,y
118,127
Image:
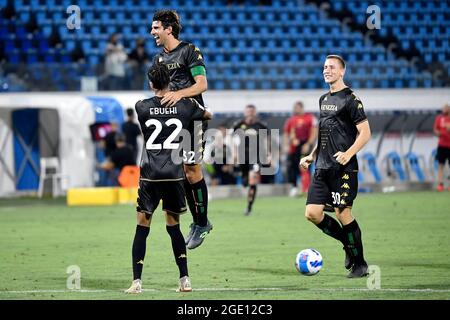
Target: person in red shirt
x,y
300,133
442,130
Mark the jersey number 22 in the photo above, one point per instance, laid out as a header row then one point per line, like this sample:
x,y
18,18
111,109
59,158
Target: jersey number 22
x,y
168,143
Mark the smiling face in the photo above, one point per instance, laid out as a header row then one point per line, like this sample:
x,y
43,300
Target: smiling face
x,y
333,70
159,33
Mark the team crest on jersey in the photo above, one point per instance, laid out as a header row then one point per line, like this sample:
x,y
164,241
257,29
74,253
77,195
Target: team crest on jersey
x,y
160,59
326,98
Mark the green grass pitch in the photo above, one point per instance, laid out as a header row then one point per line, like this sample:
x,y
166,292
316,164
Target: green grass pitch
x,y
407,235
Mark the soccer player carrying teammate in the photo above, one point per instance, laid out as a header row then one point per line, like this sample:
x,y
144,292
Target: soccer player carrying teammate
x,y
187,79
161,177
250,127
343,132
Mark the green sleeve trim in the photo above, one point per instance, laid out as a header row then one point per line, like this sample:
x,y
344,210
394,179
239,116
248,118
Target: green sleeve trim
x,y
198,71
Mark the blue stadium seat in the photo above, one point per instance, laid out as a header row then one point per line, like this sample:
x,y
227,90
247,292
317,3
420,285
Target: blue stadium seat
x,y
413,161
372,165
395,166
286,32
31,58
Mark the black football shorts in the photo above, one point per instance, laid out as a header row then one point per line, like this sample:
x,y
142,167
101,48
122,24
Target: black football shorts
x,y
443,155
150,193
194,154
333,188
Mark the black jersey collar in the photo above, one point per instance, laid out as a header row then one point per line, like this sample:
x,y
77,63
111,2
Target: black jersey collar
x,y
174,49
336,92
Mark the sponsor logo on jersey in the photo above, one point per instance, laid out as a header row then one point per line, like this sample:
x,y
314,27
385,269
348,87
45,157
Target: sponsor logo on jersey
x,y
328,107
172,66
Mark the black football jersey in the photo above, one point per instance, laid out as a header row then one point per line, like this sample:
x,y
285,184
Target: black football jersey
x,y
161,127
253,130
340,112
180,61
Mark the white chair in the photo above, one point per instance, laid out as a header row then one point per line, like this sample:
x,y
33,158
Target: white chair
x,y
50,169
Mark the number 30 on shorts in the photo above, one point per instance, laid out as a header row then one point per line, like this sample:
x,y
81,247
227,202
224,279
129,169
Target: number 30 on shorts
x,y
336,197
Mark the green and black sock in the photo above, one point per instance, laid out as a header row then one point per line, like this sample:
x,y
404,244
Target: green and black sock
x,y
332,228
138,250
200,192
353,236
179,248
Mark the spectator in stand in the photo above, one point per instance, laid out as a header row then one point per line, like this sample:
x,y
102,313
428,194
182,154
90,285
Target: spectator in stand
x,y
115,64
139,61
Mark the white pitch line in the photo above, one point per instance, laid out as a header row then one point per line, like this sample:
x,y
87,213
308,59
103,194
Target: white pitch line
x,y
429,290
53,291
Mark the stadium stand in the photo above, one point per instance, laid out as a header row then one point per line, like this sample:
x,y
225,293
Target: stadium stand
x,y
251,46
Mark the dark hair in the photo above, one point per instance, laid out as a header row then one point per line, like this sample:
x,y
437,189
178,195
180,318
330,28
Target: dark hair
x,y
250,106
119,137
159,76
130,112
335,56
169,18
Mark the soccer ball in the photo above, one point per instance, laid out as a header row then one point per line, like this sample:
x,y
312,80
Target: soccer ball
x,y
308,262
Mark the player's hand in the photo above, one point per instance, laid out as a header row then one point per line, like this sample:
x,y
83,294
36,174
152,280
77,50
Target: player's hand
x,y
170,98
306,161
342,157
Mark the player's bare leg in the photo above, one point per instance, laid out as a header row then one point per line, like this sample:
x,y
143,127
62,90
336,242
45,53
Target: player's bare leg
x,y
352,242
138,250
179,250
197,198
